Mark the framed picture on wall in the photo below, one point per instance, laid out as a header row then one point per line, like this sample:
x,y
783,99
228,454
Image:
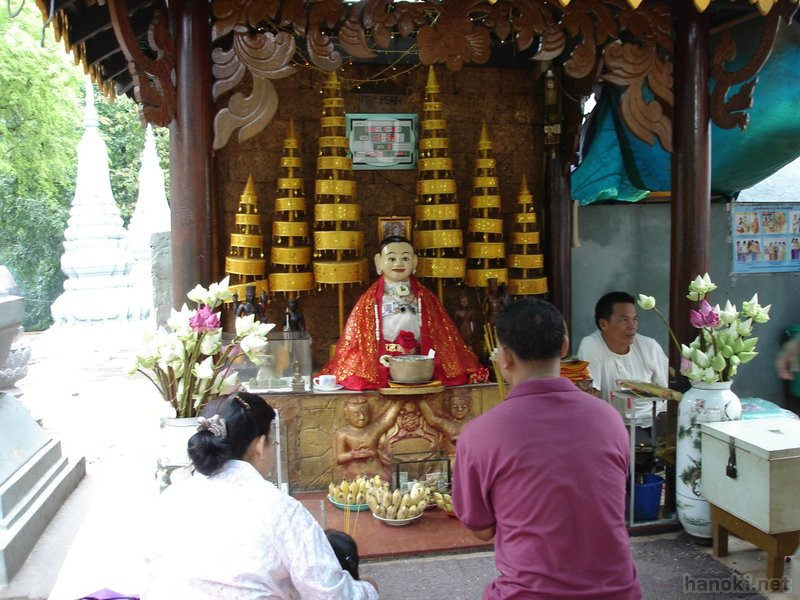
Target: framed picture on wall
x,y
765,237
379,141
394,226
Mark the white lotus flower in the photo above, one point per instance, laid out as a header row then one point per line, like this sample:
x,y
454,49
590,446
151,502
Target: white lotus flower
x,y
762,315
700,358
744,327
647,302
751,307
263,329
198,294
211,343
245,325
729,314
253,345
178,321
226,385
205,369
700,287
218,293
710,375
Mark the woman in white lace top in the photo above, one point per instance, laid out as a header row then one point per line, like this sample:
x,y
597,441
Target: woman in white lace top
x,y
230,533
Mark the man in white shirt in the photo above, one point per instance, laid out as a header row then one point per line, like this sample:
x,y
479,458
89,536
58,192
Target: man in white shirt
x,y
615,351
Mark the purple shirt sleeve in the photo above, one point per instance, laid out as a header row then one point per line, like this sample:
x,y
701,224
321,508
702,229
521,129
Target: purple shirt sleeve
x,y
471,501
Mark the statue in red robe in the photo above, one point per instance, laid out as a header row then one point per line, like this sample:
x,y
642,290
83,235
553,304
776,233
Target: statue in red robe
x,y
398,315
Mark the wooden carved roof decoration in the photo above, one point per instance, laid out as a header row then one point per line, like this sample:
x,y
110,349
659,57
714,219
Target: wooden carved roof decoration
x,y
726,112
119,56
626,43
151,72
592,39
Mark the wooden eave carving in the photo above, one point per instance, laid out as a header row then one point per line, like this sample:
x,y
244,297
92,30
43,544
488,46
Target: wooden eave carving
x,y
627,43
153,89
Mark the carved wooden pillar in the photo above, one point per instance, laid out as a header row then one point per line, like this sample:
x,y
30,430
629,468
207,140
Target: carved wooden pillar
x,y
691,181
191,167
558,225
557,198
691,167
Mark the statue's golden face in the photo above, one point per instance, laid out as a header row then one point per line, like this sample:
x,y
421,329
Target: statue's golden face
x,y
396,261
459,407
357,414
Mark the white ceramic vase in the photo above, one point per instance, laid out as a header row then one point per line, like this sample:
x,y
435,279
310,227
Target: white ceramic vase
x,y
702,403
172,456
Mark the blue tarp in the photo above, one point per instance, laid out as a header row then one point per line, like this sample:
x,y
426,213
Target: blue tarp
x,y
619,166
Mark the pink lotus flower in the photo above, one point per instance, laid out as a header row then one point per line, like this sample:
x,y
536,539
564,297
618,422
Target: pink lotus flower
x,y
706,317
204,320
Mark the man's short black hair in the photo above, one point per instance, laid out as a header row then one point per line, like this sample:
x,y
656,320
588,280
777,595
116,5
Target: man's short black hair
x,y
531,328
605,306
393,239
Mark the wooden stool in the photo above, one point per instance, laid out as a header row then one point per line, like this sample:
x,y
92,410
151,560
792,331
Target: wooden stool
x,y
776,545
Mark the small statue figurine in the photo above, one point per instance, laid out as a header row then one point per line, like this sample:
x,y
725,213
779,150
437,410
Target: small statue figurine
x,y
295,322
298,384
263,306
249,306
496,300
465,320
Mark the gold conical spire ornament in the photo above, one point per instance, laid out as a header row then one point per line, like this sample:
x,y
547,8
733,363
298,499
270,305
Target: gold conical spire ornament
x,y
486,252
438,239
338,241
245,263
290,256
526,261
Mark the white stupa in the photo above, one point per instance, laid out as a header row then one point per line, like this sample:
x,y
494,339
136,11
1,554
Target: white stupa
x,y
150,216
96,258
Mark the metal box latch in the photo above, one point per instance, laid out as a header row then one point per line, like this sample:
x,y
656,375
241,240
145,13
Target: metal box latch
x,y
730,470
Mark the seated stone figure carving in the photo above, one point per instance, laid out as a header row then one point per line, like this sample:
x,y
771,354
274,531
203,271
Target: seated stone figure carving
x,y
398,315
356,449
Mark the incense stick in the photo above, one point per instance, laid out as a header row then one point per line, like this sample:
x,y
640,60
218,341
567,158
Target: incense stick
x,y
352,532
490,338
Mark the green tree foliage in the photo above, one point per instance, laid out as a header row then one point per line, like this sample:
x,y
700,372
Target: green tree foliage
x,y
122,131
41,122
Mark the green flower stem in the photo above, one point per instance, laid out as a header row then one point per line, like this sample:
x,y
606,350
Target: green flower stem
x,y
186,406
158,387
671,334
172,388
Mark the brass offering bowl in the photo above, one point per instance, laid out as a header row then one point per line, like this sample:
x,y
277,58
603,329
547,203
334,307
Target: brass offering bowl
x,y
409,368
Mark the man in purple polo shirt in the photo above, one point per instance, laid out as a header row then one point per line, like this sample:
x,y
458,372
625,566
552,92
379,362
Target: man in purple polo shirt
x,y
544,473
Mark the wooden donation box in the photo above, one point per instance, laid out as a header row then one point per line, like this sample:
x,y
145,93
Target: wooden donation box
x,y
751,469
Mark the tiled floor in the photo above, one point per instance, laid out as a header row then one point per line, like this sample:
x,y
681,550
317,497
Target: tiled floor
x,y
433,533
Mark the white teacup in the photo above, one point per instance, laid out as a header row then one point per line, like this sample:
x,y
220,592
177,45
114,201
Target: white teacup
x,y
325,381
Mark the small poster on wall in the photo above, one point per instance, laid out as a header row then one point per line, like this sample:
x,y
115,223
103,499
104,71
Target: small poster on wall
x,y
766,237
383,141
